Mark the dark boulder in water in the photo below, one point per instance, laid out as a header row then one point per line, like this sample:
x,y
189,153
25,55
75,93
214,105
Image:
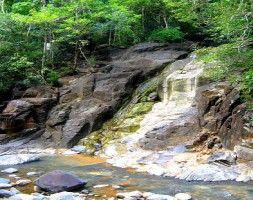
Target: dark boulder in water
x,y
57,181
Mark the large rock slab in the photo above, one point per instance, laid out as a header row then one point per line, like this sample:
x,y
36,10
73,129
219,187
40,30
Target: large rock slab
x,y
227,157
18,159
89,100
57,181
244,153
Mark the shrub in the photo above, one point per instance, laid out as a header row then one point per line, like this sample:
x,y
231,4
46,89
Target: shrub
x,y
247,84
172,34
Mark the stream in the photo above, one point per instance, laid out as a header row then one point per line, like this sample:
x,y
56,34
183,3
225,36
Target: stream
x,y
97,172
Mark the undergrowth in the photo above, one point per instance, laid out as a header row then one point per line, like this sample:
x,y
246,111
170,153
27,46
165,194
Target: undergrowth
x,y
227,62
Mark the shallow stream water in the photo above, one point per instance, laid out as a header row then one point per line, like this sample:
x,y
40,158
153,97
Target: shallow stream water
x,y
97,172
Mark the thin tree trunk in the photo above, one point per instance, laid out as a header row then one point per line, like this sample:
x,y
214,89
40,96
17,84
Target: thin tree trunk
x,y
114,37
143,17
110,37
3,7
43,61
76,55
165,22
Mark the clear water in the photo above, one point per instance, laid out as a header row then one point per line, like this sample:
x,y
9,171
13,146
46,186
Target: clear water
x,y
97,172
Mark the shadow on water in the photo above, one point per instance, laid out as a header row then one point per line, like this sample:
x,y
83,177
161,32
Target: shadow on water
x,y
97,172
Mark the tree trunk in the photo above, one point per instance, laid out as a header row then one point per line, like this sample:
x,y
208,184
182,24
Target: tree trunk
x,y
43,61
165,22
76,55
143,17
3,7
110,37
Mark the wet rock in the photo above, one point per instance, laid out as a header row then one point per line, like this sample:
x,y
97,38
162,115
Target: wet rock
x,y
244,152
135,194
37,189
226,157
85,191
6,193
9,170
243,178
18,159
33,173
101,186
23,182
79,148
57,181
159,197
183,196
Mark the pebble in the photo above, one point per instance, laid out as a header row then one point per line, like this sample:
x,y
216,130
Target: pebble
x,y
23,182
101,186
85,191
136,194
183,196
9,170
115,186
12,175
36,188
33,173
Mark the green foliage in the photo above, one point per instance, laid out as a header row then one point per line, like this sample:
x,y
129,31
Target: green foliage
x,y
22,8
229,63
36,35
91,61
52,77
246,82
166,35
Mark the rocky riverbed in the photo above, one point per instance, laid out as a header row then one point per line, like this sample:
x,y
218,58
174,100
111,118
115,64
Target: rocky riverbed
x,y
108,182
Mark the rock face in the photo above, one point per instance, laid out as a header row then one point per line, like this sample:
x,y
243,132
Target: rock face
x,y
182,136
25,118
218,112
57,181
89,100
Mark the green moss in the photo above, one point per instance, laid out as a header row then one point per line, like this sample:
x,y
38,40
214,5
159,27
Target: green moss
x,y
139,109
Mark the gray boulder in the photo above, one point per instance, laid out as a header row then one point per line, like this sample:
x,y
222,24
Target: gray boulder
x,y
57,181
18,159
244,152
226,157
